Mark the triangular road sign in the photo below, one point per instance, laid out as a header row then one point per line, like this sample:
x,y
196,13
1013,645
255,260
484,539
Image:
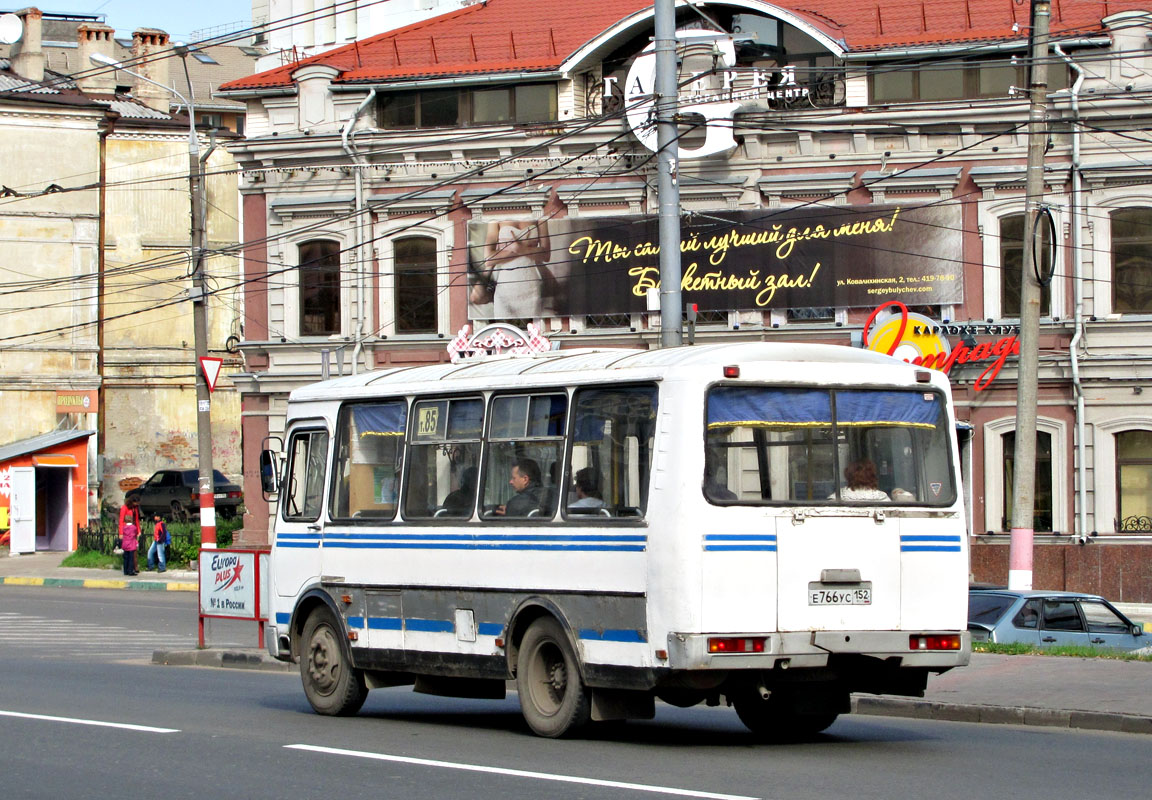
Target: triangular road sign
x,y
211,367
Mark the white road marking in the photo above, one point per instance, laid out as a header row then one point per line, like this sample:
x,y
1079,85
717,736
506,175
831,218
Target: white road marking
x,y
519,773
124,725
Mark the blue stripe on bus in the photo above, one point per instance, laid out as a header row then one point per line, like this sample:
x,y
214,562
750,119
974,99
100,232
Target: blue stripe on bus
x,y
917,543
355,622
487,537
741,542
631,548
489,629
384,624
613,635
309,545
429,625
298,536
282,618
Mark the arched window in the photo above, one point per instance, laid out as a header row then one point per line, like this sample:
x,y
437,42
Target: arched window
x,y
1042,500
319,276
1012,260
414,269
1134,481
1132,260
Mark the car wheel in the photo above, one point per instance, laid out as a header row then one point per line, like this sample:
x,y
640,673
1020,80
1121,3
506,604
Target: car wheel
x,y
179,512
331,684
553,698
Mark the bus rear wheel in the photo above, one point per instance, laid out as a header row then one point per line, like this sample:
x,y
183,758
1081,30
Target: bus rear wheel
x,y
553,698
784,716
331,684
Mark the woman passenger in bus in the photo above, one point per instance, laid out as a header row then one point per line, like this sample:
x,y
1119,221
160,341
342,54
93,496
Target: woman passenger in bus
x,y
458,502
860,478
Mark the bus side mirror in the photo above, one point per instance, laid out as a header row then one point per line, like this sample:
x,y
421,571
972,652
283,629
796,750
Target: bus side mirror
x,y
269,481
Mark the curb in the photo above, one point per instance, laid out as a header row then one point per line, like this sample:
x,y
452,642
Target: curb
x,y
230,659
102,583
1002,715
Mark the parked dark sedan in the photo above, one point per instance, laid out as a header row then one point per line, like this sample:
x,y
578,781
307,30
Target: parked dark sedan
x,y
1044,619
175,493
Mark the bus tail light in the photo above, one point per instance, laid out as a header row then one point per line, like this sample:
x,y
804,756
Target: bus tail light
x,y
732,372
736,644
948,641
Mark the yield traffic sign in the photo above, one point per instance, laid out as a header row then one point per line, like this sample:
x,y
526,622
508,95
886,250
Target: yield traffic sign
x,y
211,367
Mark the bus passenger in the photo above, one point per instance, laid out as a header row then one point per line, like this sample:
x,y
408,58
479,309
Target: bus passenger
x,y
458,502
714,487
526,481
587,495
860,477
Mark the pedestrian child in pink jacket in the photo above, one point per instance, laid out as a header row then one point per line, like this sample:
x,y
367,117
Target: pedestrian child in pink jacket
x,y
130,542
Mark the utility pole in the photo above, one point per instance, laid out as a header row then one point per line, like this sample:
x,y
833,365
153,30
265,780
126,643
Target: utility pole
x,y
1027,381
200,332
199,300
667,190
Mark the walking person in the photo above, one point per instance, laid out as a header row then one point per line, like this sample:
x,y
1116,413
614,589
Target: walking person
x,y
129,512
130,543
158,550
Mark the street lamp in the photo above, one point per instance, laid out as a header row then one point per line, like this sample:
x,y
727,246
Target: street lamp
x,y
199,307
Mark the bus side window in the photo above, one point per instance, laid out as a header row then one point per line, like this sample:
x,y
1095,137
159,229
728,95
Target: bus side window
x,y
304,482
525,450
369,453
443,456
611,455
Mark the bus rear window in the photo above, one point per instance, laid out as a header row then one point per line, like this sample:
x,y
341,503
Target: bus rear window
x,y
853,446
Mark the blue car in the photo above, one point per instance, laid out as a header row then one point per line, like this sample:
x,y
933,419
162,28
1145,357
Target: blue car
x,y
1045,619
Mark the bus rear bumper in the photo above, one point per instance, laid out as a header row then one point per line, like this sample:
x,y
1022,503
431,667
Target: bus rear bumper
x,y
812,649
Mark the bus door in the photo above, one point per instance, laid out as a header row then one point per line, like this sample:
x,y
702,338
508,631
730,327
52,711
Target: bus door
x,y
838,570
296,560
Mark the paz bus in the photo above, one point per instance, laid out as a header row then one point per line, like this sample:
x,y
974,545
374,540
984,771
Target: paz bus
x,y
765,526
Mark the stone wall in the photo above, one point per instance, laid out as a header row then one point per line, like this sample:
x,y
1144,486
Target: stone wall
x,y
1120,571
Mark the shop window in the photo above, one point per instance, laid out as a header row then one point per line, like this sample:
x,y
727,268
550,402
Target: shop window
x,y
1011,263
319,277
1132,260
1042,500
414,266
1134,481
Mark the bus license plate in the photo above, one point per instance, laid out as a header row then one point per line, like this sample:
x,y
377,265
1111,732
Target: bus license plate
x,y
840,597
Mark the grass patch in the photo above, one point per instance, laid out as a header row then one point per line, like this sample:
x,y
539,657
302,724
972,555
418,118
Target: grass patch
x,y
90,559
1061,650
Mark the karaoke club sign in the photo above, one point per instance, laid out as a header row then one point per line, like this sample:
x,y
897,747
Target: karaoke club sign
x,y
916,339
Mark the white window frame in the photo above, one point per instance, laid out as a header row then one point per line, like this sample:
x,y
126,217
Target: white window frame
x,y
291,283
991,212
994,470
384,235
1104,466
1100,214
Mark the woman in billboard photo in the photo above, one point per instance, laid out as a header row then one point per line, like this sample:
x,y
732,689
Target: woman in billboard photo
x,y
514,274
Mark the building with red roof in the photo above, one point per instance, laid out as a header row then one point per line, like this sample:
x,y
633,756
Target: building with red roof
x,y
378,178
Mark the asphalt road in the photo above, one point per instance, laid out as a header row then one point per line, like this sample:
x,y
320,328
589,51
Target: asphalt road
x,y
103,723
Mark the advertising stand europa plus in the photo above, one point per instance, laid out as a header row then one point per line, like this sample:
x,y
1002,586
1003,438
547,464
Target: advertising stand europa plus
x,y
233,586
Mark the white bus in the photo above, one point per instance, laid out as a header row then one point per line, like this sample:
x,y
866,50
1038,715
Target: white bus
x,y
770,526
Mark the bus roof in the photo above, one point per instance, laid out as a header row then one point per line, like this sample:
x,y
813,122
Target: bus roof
x,y
628,364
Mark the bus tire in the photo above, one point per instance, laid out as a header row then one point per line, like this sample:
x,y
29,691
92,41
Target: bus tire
x,y
779,717
332,685
553,698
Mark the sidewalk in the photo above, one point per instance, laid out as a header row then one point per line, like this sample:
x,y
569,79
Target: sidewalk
x,y
43,569
1095,694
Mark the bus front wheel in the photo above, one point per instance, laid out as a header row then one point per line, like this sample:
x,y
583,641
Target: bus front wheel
x,y
331,684
553,698
786,715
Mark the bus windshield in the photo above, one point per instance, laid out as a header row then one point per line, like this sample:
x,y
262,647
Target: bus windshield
x,y
783,445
